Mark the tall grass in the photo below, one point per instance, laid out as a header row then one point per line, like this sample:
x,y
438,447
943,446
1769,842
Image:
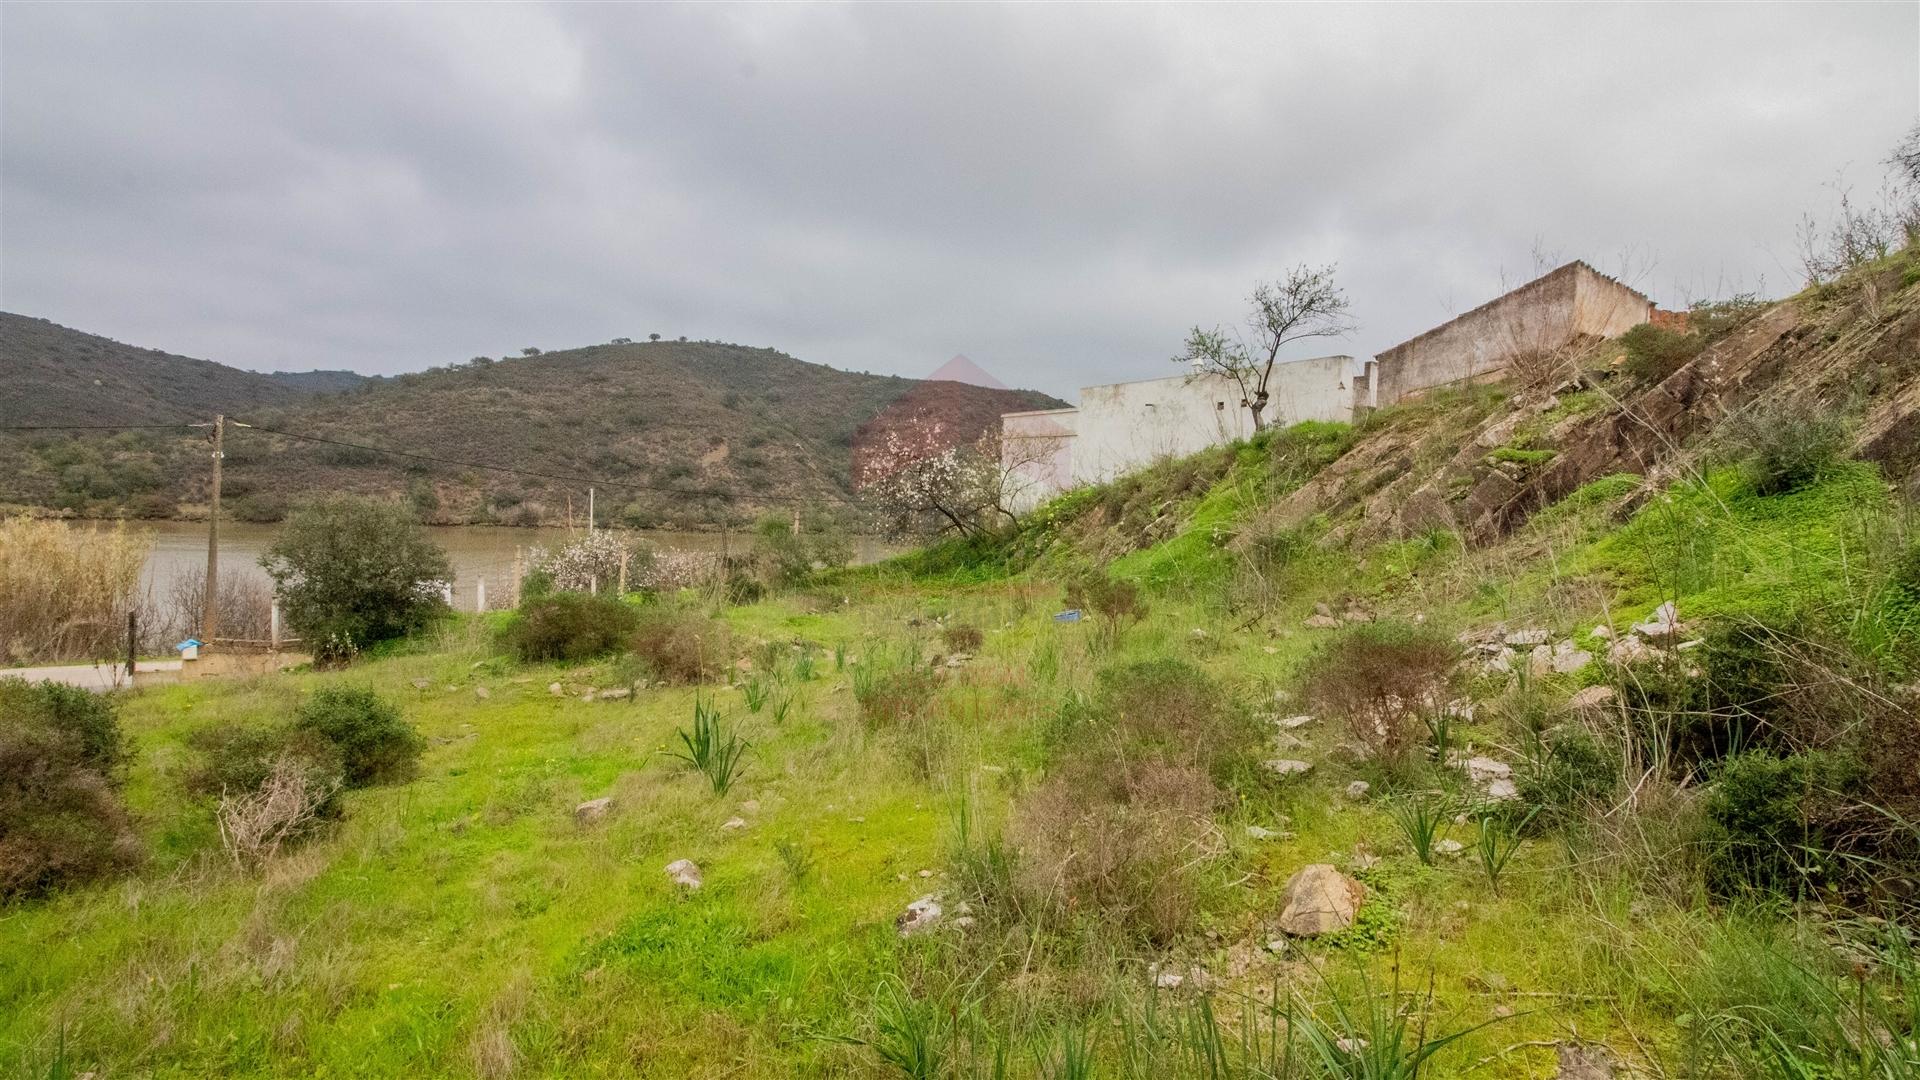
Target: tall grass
x,y
711,748
65,591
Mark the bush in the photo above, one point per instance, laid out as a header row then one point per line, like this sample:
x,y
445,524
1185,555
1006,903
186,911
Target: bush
x,y
1786,445
1762,815
680,646
239,758
1383,678
1120,846
963,638
569,626
376,745
61,819
888,699
351,572
1171,709
1655,352
1571,773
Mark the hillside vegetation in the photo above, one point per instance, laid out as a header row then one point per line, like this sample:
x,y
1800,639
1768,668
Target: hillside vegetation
x,y
1606,769
678,433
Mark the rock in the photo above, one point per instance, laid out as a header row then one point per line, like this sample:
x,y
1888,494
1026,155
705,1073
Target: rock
x,y
1356,615
1629,650
1199,634
926,873
1603,632
586,695
1566,663
1502,663
1357,791
684,873
1527,638
1485,770
1540,661
1502,790
618,693
592,810
1278,946
1292,722
920,915
1321,622
1448,849
1579,1062
733,824
1591,700
1320,608
1663,623
1290,767
421,684
1460,709
963,922
482,693
1353,1045
1320,900
1168,980
555,689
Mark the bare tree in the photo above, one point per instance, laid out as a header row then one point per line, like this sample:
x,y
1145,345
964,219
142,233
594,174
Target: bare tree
x,y
1304,304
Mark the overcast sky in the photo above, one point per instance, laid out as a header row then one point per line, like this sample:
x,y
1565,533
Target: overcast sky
x,y
1057,192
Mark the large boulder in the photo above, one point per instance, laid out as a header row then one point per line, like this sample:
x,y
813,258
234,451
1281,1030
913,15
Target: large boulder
x,y
1320,900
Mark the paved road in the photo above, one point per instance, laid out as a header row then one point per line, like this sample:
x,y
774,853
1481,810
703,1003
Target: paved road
x,y
99,677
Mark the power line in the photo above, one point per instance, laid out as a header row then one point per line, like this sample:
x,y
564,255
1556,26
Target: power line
x,y
97,427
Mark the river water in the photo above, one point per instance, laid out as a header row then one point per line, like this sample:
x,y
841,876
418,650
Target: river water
x,y
478,552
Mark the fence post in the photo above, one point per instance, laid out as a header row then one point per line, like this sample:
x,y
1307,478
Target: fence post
x,y
623,573
480,595
273,625
133,636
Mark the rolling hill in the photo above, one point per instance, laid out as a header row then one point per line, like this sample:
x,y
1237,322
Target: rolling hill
x,y
671,433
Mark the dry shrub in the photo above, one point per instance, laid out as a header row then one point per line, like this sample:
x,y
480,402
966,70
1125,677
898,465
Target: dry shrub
x,y
1122,845
1171,709
65,591
892,698
681,646
255,824
963,638
245,607
1383,679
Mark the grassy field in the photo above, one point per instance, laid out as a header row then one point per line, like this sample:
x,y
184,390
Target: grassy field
x,y
467,924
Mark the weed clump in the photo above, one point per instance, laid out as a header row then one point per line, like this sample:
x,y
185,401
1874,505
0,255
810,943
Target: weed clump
x,y
1171,709
240,758
963,638
61,818
1786,445
889,699
1655,352
569,626
1383,678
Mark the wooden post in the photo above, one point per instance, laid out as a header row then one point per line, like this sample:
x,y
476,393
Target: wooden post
x,y
519,571
133,637
273,626
623,572
480,595
593,584
210,605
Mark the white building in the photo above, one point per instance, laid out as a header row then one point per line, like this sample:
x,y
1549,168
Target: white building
x,y
1121,427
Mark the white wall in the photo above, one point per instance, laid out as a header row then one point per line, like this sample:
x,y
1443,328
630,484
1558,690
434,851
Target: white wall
x,y
1036,449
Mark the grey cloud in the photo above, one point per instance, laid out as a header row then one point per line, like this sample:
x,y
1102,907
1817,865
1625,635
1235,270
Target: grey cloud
x,y
1056,191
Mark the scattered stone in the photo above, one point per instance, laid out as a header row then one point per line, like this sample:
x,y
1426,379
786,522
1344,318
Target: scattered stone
x,y
926,873
1448,849
1591,699
920,915
1664,622
1292,722
1319,900
963,922
1602,632
733,824
1321,622
1579,1062
1351,1045
1357,791
684,873
556,689
1460,709
1290,767
1261,832
1527,638
586,695
421,684
1485,770
1320,608
1502,790
1278,946
618,693
1540,661
1168,980
1199,634
1356,615
592,810
1629,650
1502,662
482,693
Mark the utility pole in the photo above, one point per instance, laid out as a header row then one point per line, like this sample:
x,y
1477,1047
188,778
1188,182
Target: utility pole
x,y
210,608
589,511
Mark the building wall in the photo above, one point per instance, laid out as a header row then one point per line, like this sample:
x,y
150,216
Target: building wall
x,y
1036,449
1121,427
1544,314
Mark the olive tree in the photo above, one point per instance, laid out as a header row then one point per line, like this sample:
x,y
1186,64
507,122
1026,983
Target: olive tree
x,y
1304,304
350,572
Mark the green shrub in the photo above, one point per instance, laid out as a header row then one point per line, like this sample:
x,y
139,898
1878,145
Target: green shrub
x,y
569,626
351,572
1762,817
235,758
1785,445
1570,772
61,818
1655,352
376,744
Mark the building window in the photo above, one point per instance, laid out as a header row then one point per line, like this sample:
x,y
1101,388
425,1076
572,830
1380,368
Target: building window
x,y
1219,406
